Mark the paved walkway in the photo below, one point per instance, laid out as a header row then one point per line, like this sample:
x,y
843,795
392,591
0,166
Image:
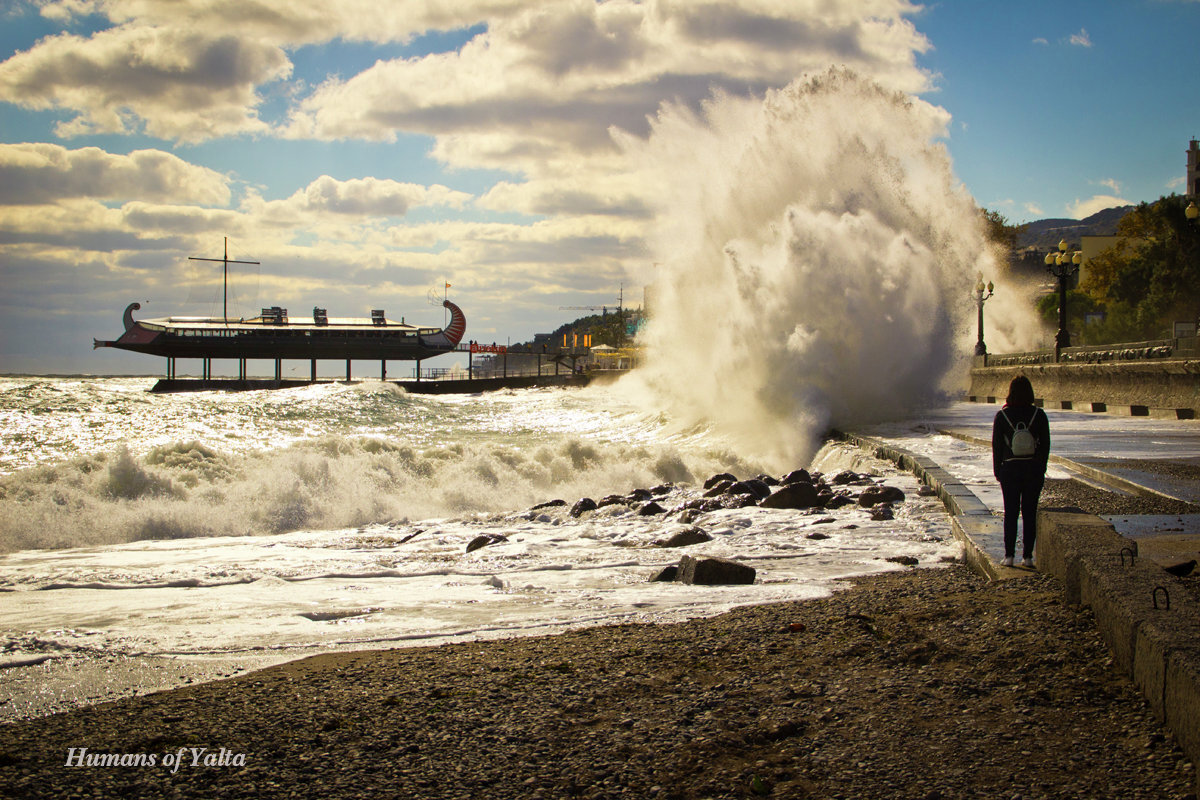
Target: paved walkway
x,y
1125,454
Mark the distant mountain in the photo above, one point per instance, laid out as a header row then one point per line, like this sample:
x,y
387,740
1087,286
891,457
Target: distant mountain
x,y
1044,234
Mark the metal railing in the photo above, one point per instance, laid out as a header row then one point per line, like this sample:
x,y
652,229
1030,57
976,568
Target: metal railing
x,y
1154,350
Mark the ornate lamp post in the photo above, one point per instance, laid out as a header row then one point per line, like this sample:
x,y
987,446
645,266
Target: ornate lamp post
x,y
980,299
1062,265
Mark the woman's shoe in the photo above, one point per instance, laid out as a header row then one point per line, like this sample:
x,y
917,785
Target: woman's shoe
x,y
1008,561
1027,562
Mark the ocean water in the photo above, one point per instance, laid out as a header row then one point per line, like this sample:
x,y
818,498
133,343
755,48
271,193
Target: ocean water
x,y
290,522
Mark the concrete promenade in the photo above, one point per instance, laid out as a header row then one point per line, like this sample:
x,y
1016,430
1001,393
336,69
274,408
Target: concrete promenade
x,y
1112,564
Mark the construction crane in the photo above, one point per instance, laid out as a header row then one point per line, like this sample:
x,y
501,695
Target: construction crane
x,y
602,309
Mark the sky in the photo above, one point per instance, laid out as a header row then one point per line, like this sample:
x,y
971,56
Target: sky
x,y
367,153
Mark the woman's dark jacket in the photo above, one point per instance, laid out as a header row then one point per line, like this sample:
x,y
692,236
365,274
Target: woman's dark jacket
x,y
1004,464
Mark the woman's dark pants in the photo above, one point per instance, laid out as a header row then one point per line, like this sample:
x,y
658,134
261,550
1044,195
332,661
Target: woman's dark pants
x,y
1021,489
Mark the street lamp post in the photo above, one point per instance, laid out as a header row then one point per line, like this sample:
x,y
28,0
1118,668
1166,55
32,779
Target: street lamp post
x,y
980,299
1062,265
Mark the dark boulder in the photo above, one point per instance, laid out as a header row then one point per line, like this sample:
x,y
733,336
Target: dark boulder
x,y
768,480
549,504
882,512
752,486
908,561
837,501
582,506
796,476
486,539
690,515
880,494
611,500
650,509
817,536
665,575
735,500
708,571
845,478
718,478
662,488
719,488
685,538
639,495
792,495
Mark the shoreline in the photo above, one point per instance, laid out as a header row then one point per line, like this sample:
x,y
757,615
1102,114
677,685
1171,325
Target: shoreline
x,y
927,683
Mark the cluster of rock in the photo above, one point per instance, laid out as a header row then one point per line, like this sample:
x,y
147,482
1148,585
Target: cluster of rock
x,y
798,489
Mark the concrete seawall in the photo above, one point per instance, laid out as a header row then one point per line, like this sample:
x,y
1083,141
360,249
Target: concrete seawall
x,y
1165,388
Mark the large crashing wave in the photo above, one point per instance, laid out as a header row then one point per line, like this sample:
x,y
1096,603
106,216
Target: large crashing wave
x,y
817,259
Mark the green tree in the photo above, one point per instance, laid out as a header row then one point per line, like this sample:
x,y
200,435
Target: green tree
x,y
999,231
1151,277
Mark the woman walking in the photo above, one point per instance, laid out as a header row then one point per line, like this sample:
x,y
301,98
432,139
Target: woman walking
x,y
1020,451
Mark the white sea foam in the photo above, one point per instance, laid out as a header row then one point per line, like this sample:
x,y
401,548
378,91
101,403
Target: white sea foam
x,y
817,260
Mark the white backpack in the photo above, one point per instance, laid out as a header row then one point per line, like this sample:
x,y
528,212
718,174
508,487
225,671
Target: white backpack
x,y
1023,443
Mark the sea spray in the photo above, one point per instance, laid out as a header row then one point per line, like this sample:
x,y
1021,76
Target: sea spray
x,y
816,258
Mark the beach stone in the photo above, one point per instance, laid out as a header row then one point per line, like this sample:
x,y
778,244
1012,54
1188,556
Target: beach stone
x,y
650,509
908,561
817,536
735,500
754,487
582,506
684,538
767,479
792,495
837,501
689,515
709,571
610,500
796,476
549,504
662,488
718,478
639,495
666,574
845,478
485,540
880,494
719,488
882,512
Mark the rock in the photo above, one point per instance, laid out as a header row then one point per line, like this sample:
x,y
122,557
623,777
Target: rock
x,y
880,494
767,479
611,500
837,501
792,495
817,536
927,491
908,561
708,571
882,512
718,478
639,495
582,506
486,539
752,487
845,478
689,515
549,504
662,488
735,500
796,476
650,509
719,488
684,538
665,575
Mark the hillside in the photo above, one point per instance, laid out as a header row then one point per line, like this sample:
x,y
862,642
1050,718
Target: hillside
x,y
1044,234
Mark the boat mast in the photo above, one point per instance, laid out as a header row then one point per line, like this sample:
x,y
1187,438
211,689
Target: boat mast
x,y
225,288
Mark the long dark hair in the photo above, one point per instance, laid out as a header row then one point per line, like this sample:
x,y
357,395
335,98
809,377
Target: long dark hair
x,y
1020,392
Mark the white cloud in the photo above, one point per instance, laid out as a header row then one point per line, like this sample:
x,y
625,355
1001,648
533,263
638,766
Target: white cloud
x,y
1081,209
1041,40
37,173
1177,183
1081,39
1111,184
1034,209
181,84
